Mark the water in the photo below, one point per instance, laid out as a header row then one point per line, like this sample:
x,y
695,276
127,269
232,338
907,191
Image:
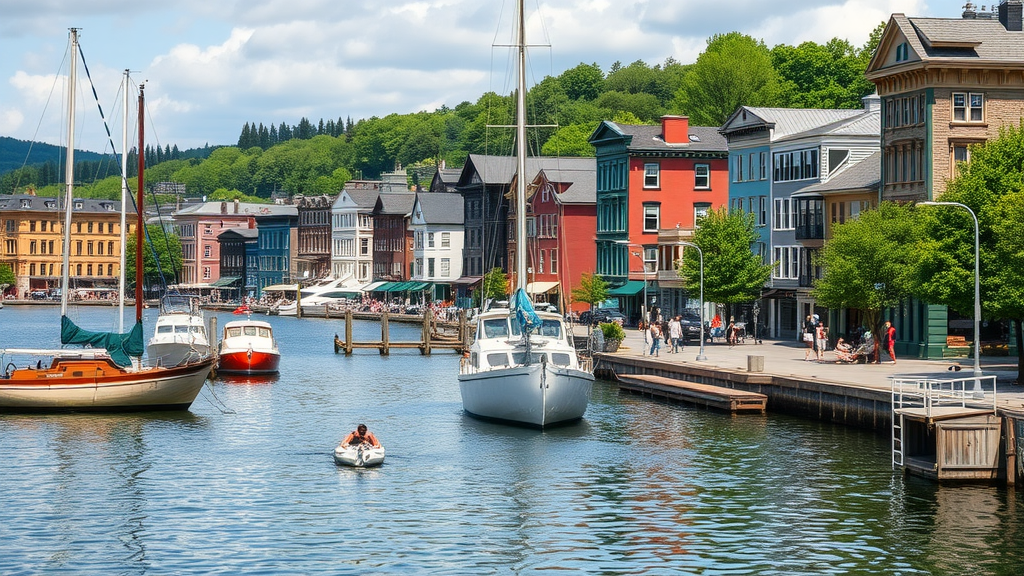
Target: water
x,y
637,487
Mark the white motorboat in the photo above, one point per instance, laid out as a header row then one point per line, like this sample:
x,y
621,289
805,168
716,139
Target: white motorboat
x,y
313,298
180,334
361,456
248,347
522,368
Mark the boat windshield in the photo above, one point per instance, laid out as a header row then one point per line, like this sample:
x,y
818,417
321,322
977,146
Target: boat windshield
x,y
233,332
249,330
164,329
547,329
264,332
496,328
180,329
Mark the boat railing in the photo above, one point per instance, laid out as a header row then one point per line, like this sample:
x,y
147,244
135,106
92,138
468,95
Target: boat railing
x,y
930,392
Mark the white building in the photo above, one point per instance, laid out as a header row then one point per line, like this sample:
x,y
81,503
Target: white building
x,y
352,234
438,237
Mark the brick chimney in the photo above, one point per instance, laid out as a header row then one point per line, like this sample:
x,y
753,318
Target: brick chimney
x,y
1011,14
675,129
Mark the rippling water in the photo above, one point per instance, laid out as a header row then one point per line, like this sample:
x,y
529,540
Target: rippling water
x,y
245,483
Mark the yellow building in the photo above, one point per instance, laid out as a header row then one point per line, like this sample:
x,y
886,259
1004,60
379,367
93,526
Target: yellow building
x,y
31,242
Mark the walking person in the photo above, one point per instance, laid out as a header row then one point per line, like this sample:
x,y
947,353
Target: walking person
x,y
821,337
675,332
889,332
808,337
730,331
655,339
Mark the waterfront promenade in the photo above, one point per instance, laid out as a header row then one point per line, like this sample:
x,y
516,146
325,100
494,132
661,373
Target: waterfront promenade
x,y
786,359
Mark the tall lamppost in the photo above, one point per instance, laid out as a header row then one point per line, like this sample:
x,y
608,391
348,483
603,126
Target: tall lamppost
x,y
700,357
977,286
643,263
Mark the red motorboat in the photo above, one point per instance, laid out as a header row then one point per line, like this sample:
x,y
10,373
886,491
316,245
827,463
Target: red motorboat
x,y
248,347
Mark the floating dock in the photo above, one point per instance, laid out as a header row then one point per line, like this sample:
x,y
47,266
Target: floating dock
x,y
726,399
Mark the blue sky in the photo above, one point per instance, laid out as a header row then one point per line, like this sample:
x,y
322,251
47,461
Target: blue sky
x,y
212,65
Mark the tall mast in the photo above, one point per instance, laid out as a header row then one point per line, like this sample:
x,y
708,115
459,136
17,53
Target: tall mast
x,y
69,177
139,231
124,205
521,151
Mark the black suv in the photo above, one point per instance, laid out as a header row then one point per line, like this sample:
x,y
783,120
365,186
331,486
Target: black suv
x,y
690,324
602,316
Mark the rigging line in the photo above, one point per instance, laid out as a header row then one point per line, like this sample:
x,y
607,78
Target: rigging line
x,y
35,135
152,248
106,126
160,218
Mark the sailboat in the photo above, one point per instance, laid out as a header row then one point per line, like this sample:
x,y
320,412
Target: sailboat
x,y
522,367
91,378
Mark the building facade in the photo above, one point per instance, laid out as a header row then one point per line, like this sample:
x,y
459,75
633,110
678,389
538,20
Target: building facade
x,y
392,237
352,233
31,242
437,241
198,226
239,268
276,243
314,234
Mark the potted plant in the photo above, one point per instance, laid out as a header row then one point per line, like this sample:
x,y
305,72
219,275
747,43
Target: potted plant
x,y
613,335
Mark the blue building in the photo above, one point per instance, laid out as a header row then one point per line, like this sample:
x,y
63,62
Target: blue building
x,y
774,154
276,246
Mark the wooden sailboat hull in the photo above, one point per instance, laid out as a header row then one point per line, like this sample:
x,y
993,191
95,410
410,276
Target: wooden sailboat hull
x,y
537,395
99,385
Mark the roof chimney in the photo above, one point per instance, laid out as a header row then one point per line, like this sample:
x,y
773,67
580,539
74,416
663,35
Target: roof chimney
x,y
675,129
236,205
1011,14
223,207
872,102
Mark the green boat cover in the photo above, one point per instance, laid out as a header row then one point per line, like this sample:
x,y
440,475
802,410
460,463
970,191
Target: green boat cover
x,y
120,346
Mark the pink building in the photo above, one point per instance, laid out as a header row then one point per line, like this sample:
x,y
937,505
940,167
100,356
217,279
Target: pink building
x,y
198,227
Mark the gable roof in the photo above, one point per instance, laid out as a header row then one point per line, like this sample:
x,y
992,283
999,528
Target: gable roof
x,y
583,188
649,137
984,42
864,175
499,170
394,203
440,207
244,233
363,199
785,122
217,208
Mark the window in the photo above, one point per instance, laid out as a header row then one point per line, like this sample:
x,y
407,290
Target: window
x,y
762,211
701,176
99,248
651,175
902,52
206,251
446,267
206,272
554,262
652,217
208,229
32,247
961,153
430,239
89,225
783,215
446,239
700,210
88,270
737,168
968,107
540,263
796,165
364,246
787,262
764,165
110,269
430,267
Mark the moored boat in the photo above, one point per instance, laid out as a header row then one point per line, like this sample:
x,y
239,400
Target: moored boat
x,y
180,334
248,347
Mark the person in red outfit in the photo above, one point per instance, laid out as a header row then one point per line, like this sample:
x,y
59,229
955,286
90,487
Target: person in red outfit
x,y
890,340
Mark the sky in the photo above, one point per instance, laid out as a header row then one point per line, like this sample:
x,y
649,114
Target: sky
x,y
209,66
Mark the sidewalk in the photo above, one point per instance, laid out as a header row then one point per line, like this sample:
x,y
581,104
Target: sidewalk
x,y
787,359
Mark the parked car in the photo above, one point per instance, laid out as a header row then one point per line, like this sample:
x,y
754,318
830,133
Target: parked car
x,y
602,316
690,323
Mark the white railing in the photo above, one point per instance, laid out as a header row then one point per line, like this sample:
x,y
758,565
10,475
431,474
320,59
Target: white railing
x,y
928,392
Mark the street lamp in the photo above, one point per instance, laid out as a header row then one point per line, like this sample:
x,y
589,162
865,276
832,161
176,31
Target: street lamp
x,y
977,286
700,357
643,263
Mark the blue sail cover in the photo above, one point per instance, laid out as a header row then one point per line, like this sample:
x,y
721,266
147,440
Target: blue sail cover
x,y
120,346
523,308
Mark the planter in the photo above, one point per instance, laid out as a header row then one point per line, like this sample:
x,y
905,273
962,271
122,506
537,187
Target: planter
x,y
612,345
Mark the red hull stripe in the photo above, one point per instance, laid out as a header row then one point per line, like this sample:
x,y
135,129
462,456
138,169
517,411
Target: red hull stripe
x,y
242,363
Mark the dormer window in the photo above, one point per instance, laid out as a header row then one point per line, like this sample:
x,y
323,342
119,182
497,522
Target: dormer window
x,y
108,206
51,204
26,203
78,205
902,52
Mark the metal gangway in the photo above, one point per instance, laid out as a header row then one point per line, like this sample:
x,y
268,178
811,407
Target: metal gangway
x,y
931,397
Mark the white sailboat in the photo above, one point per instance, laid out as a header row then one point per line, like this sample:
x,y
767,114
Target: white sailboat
x,y
523,367
90,378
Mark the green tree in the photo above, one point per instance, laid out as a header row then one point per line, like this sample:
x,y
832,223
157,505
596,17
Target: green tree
x,y
494,285
732,273
829,75
592,290
734,70
571,141
584,82
647,107
869,263
989,185
6,277
167,248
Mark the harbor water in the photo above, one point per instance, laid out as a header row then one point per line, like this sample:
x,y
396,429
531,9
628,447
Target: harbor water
x,y
245,482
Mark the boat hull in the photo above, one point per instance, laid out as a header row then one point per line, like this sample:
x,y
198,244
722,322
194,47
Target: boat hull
x,y
249,362
537,395
359,456
176,353
148,389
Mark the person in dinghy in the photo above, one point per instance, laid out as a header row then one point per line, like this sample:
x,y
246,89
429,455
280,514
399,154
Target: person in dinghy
x,y
360,436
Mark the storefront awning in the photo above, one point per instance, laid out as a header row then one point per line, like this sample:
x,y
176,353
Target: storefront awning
x,y
540,287
374,286
281,288
417,286
468,280
226,281
628,289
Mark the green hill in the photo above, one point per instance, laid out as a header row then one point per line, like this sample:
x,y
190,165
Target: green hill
x,y
13,154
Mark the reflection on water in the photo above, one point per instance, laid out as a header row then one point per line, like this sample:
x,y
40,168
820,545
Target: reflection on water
x,y
637,487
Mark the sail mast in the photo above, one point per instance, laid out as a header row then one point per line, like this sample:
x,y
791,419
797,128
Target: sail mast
x,y
124,205
521,150
69,177
139,231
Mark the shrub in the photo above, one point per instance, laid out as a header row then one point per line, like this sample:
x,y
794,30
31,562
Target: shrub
x,y
612,331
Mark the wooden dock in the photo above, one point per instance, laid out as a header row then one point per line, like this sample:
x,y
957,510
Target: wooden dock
x,y
432,337
721,398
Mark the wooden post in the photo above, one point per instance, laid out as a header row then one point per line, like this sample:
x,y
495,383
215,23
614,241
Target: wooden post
x,y
427,315
214,348
348,332
1011,452
463,330
384,339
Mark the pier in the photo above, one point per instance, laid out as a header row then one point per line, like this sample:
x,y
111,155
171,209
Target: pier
x,y
725,399
432,337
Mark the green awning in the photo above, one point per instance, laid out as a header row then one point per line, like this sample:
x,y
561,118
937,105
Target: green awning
x,y
630,288
226,281
417,286
385,287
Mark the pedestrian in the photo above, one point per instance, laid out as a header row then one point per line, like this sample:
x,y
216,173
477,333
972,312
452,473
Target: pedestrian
x,y
808,337
655,339
730,331
890,339
821,336
675,332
